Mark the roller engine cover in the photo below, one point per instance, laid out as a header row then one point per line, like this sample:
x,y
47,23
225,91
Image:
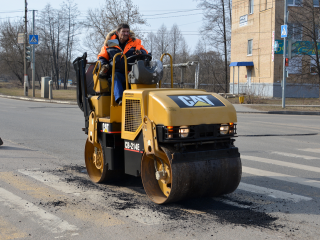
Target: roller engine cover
x,y
146,72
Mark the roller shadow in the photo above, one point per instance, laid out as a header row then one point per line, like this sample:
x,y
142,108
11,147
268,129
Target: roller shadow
x,y
4,147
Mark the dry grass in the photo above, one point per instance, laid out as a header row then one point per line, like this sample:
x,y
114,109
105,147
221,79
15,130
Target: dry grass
x,y
263,104
14,89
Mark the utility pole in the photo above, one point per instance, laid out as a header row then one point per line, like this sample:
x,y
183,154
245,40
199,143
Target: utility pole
x,y
25,45
33,65
284,57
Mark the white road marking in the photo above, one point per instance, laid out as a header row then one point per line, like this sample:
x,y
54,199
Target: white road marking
x,y
295,155
51,181
281,177
281,163
315,150
235,204
45,219
272,193
140,214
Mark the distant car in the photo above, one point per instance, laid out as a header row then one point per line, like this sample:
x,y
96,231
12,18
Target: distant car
x,y
1,142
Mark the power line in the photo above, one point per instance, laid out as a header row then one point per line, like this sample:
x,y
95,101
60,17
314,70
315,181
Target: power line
x,y
172,12
168,33
176,16
167,10
150,30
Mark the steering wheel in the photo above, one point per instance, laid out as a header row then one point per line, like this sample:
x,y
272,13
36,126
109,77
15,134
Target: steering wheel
x,y
140,56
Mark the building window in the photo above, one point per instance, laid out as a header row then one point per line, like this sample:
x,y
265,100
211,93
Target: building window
x,y
249,52
251,6
313,67
295,65
295,31
316,3
295,2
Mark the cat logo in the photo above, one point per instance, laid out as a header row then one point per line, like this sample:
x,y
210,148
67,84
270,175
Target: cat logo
x,y
196,101
105,127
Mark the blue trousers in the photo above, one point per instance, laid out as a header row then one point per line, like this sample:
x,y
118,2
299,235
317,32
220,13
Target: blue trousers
x,y
119,79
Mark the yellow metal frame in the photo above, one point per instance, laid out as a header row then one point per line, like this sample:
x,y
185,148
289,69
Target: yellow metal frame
x,y
113,71
101,105
164,54
94,71
133,134
93,134
150,140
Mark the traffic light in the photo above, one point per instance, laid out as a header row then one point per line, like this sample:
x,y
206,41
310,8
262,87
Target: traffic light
x,y
28,53
287,62
292,48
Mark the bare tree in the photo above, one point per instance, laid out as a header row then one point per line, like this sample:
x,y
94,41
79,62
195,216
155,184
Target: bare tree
x,y
51,29
175,41
211,67
70,12
217,28
11,53
57,28
150,42
162,43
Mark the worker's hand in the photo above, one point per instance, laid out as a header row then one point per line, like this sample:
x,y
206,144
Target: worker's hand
x,y
104,70
138,52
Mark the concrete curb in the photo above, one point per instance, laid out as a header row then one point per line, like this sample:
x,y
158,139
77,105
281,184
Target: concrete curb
x,y
279,105
283,112
294,112
39,100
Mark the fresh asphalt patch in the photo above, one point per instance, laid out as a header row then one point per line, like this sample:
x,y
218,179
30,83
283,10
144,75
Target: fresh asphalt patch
x,y
58,203
243,213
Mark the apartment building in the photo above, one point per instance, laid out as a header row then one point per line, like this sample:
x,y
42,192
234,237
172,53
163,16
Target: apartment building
x,y
256,63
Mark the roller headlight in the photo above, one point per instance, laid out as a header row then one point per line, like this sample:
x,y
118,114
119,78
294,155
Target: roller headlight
x,y
224,129
184,131
172,132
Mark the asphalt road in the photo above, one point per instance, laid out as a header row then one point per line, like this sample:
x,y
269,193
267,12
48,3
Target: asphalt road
x,y
45,192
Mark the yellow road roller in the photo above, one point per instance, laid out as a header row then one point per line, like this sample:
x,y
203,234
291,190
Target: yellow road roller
x,y
179,141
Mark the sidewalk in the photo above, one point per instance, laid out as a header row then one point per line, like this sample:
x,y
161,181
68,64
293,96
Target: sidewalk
x,y
240,108
243,108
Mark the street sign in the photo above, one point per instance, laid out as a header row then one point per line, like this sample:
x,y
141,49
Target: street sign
x,y
21,37
276,45
284,31
33,39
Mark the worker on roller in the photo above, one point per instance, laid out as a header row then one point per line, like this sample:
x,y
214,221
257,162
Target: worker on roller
x,y
130,46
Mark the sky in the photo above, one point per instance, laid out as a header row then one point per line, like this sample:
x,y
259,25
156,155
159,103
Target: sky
x,y
182,12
